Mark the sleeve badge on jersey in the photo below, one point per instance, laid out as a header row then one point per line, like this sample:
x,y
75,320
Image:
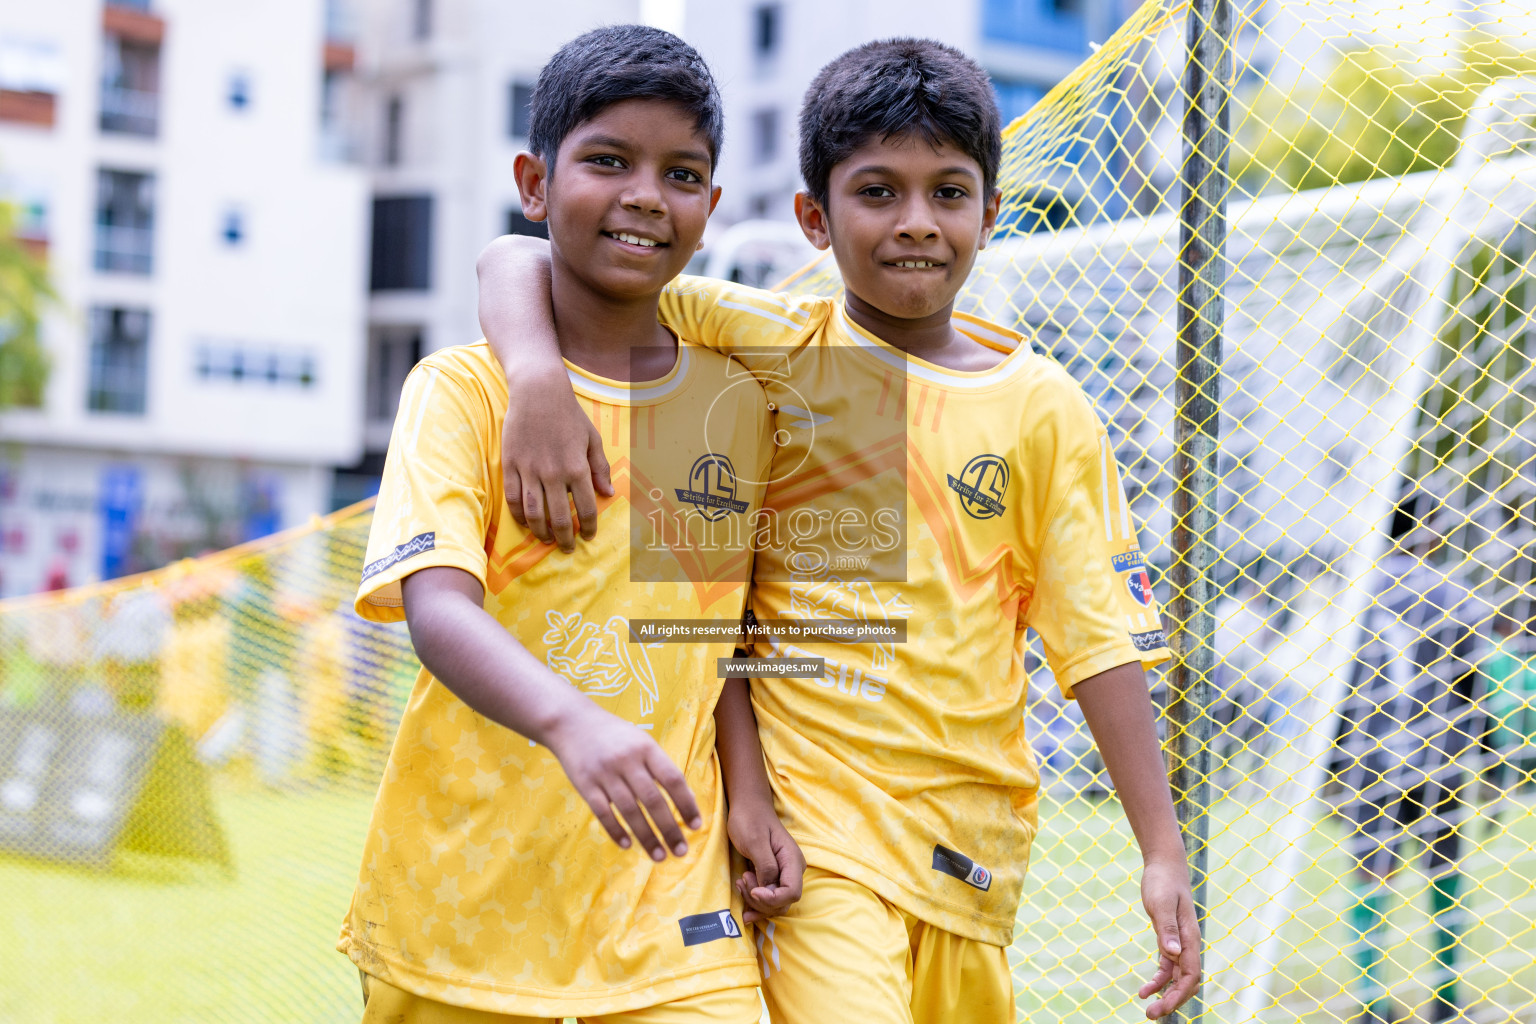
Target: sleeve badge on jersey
x,y
1134,568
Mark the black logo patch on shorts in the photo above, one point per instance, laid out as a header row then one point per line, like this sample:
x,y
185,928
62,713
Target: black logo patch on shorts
x,y
958,865
699,928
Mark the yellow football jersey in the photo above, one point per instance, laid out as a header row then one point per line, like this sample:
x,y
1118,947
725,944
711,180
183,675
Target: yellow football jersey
x,y
486,880
972,505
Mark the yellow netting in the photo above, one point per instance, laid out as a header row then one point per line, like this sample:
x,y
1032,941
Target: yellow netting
x,y
205,739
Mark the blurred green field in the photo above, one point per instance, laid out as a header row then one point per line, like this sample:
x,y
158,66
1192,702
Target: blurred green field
x,y
156,940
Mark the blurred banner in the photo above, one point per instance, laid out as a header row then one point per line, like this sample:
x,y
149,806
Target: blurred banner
x,y
1373,815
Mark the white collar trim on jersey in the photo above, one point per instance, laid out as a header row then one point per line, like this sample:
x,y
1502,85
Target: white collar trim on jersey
x,y
597,387
913,367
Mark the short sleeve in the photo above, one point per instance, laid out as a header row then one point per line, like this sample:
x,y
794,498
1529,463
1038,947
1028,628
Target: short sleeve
x,y
736,320
433,508
1092,603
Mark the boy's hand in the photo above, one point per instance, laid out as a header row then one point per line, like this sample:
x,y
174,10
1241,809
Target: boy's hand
x,y
615,765
552,455
1165,893
777,868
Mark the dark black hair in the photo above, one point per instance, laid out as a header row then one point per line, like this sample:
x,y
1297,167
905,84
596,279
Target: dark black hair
x,y
621,62
892,87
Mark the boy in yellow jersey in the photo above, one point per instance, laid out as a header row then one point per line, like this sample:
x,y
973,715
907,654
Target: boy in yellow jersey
x,y
488,890
904,772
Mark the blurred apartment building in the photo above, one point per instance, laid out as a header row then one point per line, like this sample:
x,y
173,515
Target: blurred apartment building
x,y
441,95
176,161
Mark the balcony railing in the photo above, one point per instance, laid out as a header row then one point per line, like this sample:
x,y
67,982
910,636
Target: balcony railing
x,y
129,111
125,249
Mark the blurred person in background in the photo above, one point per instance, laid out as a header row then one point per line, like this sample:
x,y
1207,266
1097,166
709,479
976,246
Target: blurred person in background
x,y
1411,745
1511,675
130,641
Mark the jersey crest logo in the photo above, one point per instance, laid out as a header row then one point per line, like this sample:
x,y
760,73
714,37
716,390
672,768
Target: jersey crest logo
x,y
981,486
599,660
1134,568
712,487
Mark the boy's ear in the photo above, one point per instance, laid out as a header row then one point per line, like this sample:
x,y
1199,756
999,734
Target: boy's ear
x,y
989,217
532,179
813,220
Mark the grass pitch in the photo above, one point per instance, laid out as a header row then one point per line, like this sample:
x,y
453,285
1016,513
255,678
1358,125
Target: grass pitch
x,y
156,940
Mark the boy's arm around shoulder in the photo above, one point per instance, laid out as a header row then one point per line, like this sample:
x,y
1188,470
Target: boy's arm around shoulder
x,y
776,866
551,454
1118,709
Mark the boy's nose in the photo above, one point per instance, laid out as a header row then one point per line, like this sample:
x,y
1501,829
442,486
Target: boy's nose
x,y
643,196
916,222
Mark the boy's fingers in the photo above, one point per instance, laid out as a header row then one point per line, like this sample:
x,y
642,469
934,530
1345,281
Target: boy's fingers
x,y
586,506
533,511
597,461
598,801
512,487
660,811
672,780
791,863
558,507
629,810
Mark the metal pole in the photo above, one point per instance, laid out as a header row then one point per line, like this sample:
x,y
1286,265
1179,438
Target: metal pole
x,y
1203,189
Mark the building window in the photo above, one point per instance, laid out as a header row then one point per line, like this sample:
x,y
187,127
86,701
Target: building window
x,y
392,351
1014,98
125,221
402,244
765,30
233,230
517,224
243,363
31,76
421,19
765,135
520,118
130,87
239,91
119,367
394,114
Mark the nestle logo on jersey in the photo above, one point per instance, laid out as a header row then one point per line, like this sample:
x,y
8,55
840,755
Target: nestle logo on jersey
x,y
958,865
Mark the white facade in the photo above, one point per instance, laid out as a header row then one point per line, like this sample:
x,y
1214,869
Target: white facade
x,y
251,271
436,88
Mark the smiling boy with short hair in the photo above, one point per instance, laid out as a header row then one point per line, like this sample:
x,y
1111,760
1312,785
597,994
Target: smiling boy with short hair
x,y
488,890
904,772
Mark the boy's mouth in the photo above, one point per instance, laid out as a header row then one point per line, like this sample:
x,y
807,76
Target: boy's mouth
x,y
914,264
629,238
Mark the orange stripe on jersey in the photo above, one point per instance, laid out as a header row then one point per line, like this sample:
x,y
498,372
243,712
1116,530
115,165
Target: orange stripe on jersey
x,y
885,392
995,567
838,474
922,399
938,411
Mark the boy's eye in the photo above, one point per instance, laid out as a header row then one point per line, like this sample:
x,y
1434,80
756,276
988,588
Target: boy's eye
x,y
950,192
877,191
606,160
684,174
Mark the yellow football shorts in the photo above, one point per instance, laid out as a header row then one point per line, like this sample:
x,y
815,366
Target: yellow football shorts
x,y
844,954
386,1003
